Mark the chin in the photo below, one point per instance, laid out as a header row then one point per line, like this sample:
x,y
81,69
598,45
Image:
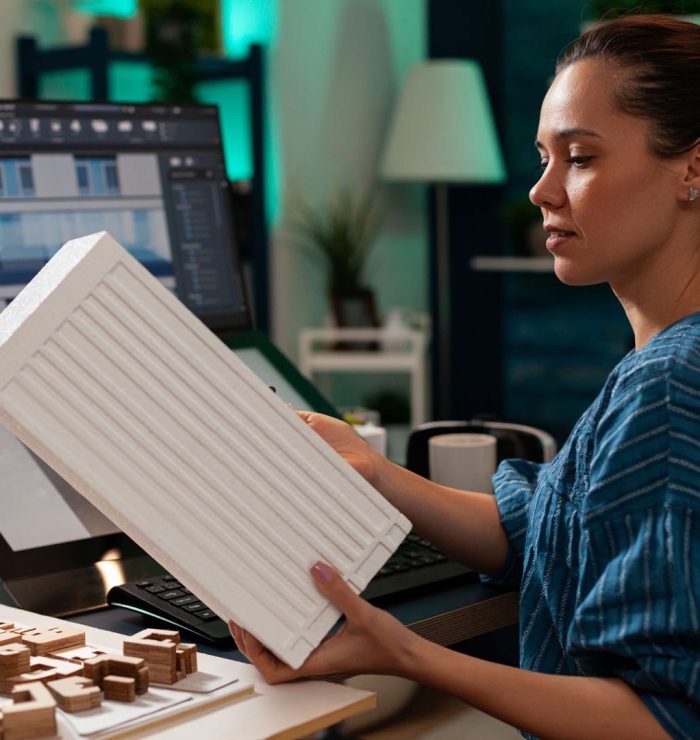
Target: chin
x,y
571,274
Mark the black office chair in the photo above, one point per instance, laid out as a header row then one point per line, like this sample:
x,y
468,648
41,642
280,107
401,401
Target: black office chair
x,y
512,440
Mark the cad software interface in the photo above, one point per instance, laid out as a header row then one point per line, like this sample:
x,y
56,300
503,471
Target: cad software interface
x,y
152,176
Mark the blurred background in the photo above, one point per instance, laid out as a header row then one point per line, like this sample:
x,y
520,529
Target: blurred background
x,y
347,233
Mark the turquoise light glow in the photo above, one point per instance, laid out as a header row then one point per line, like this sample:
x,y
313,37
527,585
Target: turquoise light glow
x,y
232,98
117,8
245,22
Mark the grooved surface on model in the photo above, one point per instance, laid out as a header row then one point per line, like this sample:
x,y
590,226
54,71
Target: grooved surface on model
x,y
115,384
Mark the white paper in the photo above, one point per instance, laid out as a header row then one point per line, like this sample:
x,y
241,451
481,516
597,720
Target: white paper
x,y
112,714
199,682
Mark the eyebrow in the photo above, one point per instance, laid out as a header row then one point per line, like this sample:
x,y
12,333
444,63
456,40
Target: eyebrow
x,y
567,133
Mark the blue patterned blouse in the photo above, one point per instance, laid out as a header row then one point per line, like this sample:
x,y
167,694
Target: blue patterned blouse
x,y
605,539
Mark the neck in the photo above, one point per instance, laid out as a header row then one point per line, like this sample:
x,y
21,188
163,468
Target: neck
x,y
669,292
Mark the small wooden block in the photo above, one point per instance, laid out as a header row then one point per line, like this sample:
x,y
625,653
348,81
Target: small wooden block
x,y
44,641
33,713
75,694
7,638
187,653
157,635
20,630
42,672
14,658
159,649
167,658
98,669
142,679
6,634
119,688
78,654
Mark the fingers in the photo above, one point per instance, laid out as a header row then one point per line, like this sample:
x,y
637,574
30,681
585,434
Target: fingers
x,y
272,669
250,646
334,588
237,634
331,655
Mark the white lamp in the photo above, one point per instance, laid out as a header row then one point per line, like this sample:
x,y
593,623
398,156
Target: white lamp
x,y
443,132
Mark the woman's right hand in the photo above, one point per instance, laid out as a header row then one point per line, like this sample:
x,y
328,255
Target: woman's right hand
x,y
347,443
369,641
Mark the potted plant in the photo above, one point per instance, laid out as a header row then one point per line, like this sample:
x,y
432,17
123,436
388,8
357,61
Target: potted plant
x,y
176,32
342,235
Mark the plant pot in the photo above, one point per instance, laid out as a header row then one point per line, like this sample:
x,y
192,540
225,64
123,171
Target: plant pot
x,y
355,310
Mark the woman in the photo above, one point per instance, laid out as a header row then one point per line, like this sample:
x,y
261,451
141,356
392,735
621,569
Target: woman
x,y
602,541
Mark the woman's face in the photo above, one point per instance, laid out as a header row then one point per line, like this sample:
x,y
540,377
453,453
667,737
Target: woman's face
x,y
609,205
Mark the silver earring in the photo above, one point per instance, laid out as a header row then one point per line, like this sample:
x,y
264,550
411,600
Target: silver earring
x,y
692,194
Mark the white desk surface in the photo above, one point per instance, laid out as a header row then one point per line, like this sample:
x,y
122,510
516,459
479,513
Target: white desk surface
x,y
285,711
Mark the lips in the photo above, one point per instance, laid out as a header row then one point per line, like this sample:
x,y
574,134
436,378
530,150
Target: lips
x,y
557,236
557,239
556,230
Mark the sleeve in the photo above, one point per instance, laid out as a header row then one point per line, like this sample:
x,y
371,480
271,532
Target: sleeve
x,y
637,608
514,483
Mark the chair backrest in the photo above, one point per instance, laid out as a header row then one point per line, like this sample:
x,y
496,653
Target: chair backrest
x,y
512,440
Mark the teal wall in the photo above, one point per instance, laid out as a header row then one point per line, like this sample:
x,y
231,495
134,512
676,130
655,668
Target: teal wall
x,y
117,8
245,22
335,72
334,68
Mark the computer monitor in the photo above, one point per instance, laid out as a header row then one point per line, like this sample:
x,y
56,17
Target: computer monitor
x,y
153,176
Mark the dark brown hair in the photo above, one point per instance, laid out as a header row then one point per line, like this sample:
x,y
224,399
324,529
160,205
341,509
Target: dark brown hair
x,y
662,58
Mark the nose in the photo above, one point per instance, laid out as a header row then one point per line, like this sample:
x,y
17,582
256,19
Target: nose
x,y
548,192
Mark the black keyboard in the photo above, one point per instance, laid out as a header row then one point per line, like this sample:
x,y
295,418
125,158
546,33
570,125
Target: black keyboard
x,y
167,600
416,563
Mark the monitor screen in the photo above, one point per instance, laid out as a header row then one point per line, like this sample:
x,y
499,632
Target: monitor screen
x,y
153,176
30,486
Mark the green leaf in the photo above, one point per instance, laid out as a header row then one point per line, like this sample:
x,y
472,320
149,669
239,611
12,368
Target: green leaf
x,y
342,234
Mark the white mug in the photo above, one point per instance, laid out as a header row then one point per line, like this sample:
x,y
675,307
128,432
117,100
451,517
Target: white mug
x,y
374,435
464,461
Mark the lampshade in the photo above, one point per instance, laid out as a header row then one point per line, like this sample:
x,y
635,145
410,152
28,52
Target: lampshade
x,y
443,128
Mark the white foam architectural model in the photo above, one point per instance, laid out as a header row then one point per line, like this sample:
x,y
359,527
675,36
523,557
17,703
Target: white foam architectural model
x,y
128,396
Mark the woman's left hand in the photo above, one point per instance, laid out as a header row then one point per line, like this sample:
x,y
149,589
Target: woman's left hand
x,y
369,641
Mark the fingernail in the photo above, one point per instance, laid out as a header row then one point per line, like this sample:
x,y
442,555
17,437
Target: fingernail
x,y
322,572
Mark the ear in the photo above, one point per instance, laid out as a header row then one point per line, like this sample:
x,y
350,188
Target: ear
x,y
692,173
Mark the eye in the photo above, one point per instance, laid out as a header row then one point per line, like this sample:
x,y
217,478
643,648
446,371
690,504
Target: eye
x,y
541,166
580,161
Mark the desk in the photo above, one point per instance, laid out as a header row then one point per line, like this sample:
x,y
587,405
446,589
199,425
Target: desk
x,y
399,351
448,614
282,712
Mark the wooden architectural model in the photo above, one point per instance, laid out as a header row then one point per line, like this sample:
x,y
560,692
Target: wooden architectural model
x,y
76,694
43,642
168,659
32,713
41,669
120,677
